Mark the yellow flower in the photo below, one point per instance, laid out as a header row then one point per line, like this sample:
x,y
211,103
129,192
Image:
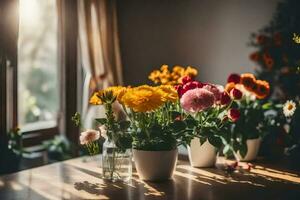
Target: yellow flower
x,y
190,71
168,93
165,77
155,76
117,91
164,68
143,98
95,100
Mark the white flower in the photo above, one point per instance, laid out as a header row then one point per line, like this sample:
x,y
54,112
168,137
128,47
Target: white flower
x,y
103,131
289,108
89,136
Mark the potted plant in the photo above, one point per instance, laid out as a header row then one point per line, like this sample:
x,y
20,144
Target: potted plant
x,y
246,134
207,110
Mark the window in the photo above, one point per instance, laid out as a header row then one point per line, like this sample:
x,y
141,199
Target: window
x,y
38,91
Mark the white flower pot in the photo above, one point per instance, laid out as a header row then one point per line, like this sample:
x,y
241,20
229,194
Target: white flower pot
x,y
253,147
155,165
204,155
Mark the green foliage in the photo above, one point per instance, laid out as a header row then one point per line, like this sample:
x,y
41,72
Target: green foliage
x,y
15,141
209,125
163,129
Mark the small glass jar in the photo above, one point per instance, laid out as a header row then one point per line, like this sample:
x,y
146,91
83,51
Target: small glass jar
x,y
116,163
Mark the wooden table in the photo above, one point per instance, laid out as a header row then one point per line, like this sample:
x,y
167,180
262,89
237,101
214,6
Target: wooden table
x,y
80,178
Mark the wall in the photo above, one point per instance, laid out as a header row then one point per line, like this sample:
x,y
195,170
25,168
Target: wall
x,y
208,34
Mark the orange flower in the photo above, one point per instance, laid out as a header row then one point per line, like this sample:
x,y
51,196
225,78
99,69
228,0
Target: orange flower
x,y
249,81
269,62
255,56
262,90
229,87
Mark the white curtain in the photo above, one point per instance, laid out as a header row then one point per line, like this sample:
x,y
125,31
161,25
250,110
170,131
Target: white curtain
x,y
100,52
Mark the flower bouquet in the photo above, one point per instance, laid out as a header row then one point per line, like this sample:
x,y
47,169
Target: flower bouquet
x,y
152,128
246,134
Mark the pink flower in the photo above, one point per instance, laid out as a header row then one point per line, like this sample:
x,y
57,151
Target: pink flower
x,y
235,78
234,114
236,94
216,90
225,98
89,136
103,131
196,100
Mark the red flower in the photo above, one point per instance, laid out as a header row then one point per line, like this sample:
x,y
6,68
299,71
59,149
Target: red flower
x,y
261,39
234,114
236,94
225,98
186,80
235,78
179,89
191,85
254,56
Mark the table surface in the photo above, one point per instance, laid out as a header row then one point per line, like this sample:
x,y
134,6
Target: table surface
x,y
80,178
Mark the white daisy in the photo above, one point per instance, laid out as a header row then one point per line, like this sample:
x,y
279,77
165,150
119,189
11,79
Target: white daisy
x,y
289,108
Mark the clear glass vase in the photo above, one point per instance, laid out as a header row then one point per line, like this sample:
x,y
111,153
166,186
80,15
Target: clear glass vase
x,y
116,163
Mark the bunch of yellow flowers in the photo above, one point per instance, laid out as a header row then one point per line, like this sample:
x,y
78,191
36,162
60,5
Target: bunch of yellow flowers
x,y
174,77
143,98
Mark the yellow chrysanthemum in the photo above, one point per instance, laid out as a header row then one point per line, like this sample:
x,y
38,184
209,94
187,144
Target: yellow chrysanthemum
x,y
143,98
95,100
168,93
118,92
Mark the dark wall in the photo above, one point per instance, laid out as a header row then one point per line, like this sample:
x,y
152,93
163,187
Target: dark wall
x,y
209,34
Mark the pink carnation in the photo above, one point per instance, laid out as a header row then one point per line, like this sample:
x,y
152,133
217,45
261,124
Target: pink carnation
x,y
215,89
196,100
89,136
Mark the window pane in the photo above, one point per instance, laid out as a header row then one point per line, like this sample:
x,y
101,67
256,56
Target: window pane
x,y
37,73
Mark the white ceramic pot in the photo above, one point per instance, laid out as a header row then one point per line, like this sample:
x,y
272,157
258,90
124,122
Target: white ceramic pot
x,y
155,165
253,148
204,155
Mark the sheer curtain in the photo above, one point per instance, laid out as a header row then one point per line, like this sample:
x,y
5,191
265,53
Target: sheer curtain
x,y
100,52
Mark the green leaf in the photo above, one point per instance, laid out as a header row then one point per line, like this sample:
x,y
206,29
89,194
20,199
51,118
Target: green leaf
x,y
190,122
215,141
101,120
202,140
243,150
124,125
226,149
267,106
178,126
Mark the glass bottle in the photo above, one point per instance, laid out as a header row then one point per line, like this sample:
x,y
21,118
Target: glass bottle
x,y
116,162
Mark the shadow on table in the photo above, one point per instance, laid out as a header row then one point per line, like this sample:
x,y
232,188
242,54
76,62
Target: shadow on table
x,y
190,182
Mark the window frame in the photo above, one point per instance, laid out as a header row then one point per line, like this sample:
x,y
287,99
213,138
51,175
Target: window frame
x,y
68,75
